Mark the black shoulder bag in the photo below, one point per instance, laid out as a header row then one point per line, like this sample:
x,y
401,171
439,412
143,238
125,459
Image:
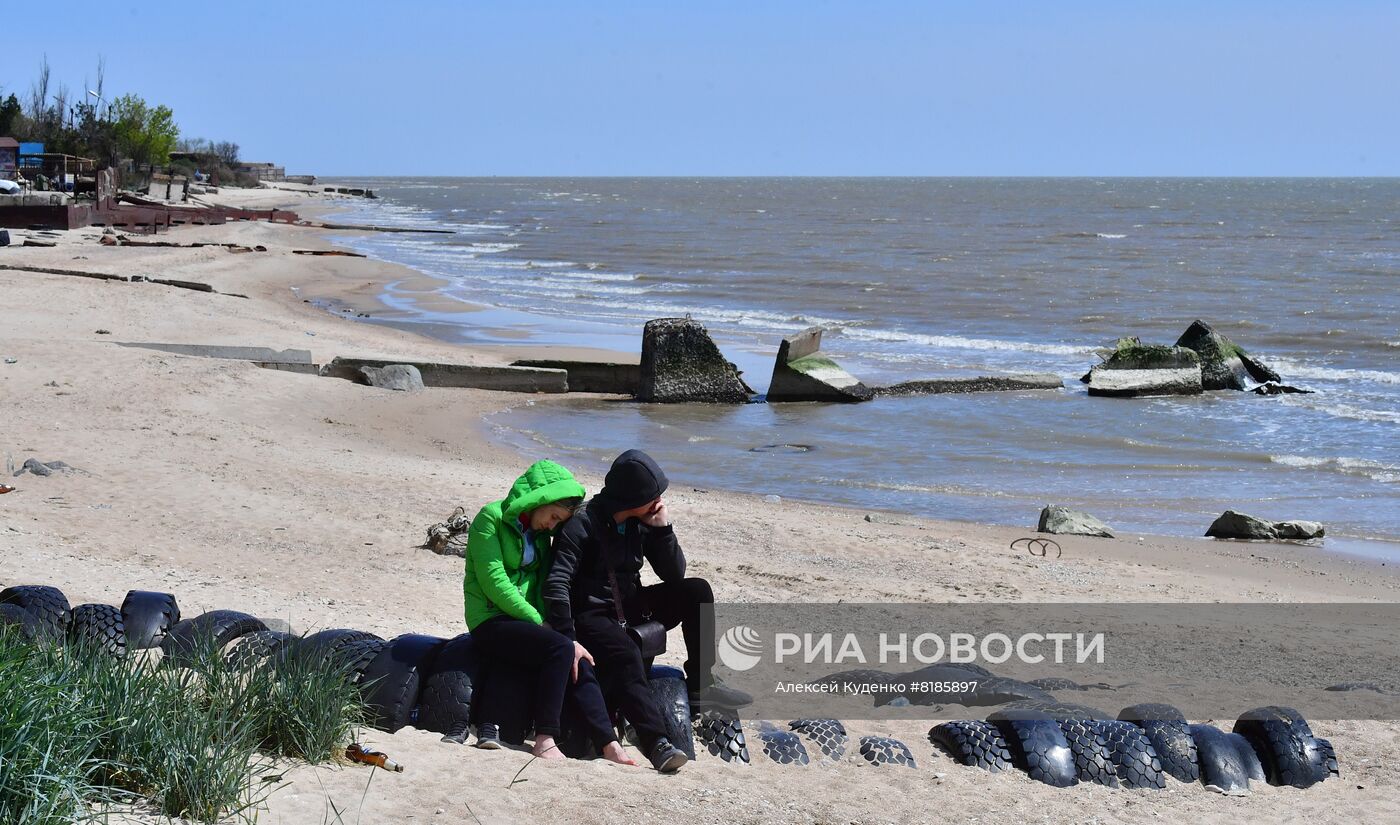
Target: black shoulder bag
x,y
650,635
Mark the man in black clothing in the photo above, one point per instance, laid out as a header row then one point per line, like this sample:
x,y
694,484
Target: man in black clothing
x,y
596,575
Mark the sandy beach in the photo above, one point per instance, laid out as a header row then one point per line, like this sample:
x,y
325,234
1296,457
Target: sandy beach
x,y
305,499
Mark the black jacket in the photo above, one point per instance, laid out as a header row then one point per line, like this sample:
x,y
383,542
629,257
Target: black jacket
x,y
591,543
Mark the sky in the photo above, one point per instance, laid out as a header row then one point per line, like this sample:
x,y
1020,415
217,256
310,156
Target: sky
x,y
755,88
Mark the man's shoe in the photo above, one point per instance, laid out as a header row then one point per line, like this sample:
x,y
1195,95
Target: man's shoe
x,y
457,734
488,737
667,758
720,695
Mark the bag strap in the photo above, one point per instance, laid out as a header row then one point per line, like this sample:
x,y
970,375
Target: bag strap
x,y
617,597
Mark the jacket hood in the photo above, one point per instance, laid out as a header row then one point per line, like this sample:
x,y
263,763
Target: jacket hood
x,y
543,482
633,480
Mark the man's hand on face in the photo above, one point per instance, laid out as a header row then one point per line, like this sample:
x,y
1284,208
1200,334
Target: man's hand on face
x,y
657,516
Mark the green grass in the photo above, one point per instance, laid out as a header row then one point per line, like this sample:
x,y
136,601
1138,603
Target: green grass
x,y
80,730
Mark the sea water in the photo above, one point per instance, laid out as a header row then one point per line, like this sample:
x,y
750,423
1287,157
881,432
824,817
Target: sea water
x,y
933,277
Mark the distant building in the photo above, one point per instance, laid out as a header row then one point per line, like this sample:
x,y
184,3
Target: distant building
x,y
263,171
9,157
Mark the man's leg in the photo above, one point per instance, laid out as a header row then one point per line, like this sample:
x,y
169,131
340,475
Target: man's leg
x,y
680,603
621,672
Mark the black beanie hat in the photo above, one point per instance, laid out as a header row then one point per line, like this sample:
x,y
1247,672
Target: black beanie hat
x,y
633,480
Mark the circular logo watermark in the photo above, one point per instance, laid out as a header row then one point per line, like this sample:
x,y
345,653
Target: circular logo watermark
x,y
740,648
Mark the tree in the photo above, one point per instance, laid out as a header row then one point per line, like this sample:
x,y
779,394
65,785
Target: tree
x,y
144,134
227,152
10,114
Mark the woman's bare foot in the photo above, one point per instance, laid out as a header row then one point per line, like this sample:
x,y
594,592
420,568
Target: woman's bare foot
x,y
545,748
613,752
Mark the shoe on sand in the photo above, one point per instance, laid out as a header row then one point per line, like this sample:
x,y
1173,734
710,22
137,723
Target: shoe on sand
x,y
720,695
667,758
457,734
488,737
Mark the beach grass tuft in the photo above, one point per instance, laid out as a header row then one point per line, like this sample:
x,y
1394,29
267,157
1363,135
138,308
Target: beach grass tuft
x,y
80,731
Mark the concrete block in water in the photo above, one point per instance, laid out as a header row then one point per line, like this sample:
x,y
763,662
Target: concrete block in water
x,y
461,376
1116,383
802,373
681,363
593,376
981,383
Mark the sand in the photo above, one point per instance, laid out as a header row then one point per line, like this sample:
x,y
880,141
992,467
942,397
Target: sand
x,y
305,499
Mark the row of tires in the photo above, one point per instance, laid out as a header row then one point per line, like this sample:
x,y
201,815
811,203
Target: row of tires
x,y
427,682
413,679
1065,744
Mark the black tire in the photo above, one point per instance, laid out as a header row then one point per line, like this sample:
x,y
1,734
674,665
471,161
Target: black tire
x,y
829,735
1054,683
391,683
47,604
1057,710
883,750
1092,760
1166,728
445,700
1253,768
973,743
98,628
784,747
343,646
1329,757
190,640
1037,745
1221,766
147,616
21,623
672,698
722,735
257,648
1135,761
989,690
1287,749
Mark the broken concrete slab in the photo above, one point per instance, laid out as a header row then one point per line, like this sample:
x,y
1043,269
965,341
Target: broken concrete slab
x,y
461,376
302,369
593,376
1113,383
397,377
680,363
1224,364
802,373
263,355
981,383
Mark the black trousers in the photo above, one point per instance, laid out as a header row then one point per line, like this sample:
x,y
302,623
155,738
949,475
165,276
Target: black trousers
x,y
511,648
622,672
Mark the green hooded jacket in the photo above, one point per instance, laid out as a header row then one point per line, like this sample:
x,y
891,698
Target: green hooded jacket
x,y
496,583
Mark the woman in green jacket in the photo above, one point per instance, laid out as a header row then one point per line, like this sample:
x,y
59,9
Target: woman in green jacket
x,y
508,556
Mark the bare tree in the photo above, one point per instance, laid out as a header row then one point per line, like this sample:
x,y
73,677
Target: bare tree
x,y
39,93
227,152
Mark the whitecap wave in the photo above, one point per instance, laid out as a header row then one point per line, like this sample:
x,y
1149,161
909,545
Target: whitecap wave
x,y
960,342
1293,369
1351,466
1108,235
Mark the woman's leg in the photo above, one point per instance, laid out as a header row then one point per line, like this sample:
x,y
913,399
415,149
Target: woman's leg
x,y
586,698
547,652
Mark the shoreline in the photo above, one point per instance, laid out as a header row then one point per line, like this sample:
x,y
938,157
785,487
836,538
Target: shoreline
x,y
304,499
428,300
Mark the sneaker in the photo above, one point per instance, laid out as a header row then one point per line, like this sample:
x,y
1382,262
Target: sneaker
x,y
667,758
488,737
719,695
457,734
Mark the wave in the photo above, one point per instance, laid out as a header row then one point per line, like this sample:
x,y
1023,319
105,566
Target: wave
x,y
1386,473
1108,235
1294,369
959,342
